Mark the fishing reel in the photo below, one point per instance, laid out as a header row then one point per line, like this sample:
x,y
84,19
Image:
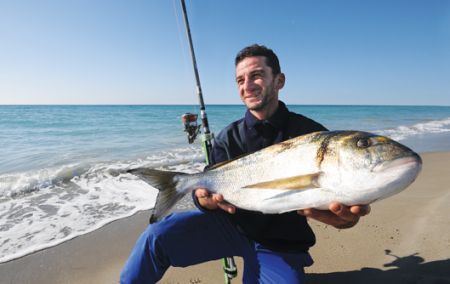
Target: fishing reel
x,y
191,126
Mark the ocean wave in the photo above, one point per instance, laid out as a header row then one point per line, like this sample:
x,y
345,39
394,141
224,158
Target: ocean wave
x,y
44,208
403,132
18,184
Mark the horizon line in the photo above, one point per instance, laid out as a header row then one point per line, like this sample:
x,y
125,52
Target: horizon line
x,y
213,104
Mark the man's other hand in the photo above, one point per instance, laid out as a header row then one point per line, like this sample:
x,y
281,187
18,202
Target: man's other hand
x,y
338,215
212,201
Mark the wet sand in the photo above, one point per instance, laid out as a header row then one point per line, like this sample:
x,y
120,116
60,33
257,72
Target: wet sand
x,y
406,239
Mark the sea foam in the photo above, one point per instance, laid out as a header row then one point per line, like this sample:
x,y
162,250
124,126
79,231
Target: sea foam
x,y
47,207
404,131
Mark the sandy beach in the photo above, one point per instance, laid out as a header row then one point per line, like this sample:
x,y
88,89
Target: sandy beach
x,y
406,239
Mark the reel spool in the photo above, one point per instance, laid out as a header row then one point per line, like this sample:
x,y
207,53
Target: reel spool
x,y
191,126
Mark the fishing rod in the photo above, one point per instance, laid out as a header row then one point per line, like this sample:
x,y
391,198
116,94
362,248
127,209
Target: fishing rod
x,y
190,123
192,132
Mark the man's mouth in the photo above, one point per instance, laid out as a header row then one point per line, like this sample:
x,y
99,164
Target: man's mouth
x,y
252,97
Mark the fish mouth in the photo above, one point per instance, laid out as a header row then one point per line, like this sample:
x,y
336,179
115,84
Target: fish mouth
x,y
403,162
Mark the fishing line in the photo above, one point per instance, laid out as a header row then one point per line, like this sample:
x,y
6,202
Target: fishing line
x,y
195,107
180,40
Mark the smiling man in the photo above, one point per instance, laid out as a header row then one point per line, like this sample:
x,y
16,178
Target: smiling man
x,y
258,86
274,246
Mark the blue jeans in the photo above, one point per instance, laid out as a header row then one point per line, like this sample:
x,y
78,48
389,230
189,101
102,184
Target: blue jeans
x,y
193,237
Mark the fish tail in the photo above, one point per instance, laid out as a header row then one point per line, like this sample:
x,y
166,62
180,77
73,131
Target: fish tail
x,y
167,184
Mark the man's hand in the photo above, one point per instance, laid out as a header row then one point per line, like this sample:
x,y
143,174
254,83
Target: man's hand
x,y
212,201
338,215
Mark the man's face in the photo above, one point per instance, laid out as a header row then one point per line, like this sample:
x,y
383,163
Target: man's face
x,y
257,86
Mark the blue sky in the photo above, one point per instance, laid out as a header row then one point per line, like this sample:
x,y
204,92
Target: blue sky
x,y
136,52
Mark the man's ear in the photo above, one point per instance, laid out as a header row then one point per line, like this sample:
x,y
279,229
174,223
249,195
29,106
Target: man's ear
x,y
279,81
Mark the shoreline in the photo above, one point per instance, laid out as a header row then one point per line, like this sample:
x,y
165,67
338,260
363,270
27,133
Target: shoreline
x,y
405,238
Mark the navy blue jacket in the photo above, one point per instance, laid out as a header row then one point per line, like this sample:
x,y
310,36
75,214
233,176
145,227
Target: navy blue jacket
x,y
285,232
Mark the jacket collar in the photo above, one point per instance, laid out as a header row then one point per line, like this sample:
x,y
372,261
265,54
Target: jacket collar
x,y
277,120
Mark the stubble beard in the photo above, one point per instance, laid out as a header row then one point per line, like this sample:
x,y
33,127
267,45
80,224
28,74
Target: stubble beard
x,y
258,106
266,99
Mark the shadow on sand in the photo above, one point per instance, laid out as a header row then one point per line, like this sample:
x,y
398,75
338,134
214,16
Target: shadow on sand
x,y
407,269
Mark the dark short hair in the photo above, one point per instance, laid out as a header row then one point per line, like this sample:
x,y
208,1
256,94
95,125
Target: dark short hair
x,y
260,50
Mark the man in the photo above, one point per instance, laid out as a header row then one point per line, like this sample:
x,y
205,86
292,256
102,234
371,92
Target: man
x,y
274,246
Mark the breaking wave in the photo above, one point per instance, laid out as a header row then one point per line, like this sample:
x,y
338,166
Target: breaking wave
x,y
43,208
402,132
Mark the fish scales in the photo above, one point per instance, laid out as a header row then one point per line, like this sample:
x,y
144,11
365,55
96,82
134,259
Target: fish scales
x,y
310,171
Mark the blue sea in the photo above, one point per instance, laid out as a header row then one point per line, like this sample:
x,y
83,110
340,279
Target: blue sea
x,y
62,170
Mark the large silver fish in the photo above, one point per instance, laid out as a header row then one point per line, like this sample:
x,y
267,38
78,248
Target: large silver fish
x,y
310,171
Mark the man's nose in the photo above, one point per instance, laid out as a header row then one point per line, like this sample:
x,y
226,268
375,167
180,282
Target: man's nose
x,y
248,84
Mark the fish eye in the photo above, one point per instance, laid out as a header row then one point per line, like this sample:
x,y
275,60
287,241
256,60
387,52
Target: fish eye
x,y
363,143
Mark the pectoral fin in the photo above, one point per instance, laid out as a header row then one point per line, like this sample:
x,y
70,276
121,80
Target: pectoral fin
x,y
294,183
